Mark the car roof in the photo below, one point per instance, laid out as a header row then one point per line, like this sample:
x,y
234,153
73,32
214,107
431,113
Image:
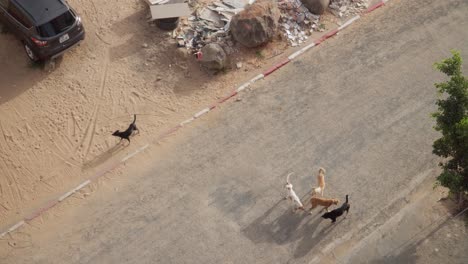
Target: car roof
x,y
42,11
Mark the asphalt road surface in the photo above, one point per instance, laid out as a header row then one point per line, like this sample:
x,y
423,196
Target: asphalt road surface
x,y
358,105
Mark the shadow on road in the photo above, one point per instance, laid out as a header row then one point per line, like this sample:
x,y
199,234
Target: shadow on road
x,y
287,228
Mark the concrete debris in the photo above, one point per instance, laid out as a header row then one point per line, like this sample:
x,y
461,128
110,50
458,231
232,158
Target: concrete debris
x,y
214,57
347,8
296,21
210,24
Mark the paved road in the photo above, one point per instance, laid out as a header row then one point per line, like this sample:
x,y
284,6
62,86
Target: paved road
x,y
359,106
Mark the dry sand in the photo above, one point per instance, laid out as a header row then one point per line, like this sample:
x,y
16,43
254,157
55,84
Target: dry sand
x,y
56,125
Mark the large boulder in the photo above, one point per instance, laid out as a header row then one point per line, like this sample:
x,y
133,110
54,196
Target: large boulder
x,y
213,57
317,7
256,24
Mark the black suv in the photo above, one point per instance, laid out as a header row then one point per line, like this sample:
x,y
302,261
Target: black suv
x,y
47,28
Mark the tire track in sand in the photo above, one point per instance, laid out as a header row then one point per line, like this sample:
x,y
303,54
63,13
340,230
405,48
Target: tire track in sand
x,y
102,86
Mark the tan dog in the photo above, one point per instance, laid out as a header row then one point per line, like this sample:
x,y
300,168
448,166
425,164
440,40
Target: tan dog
x,y
316,201
321,182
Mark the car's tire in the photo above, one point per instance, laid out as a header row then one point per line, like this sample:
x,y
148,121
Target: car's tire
x,y
168,23
30,53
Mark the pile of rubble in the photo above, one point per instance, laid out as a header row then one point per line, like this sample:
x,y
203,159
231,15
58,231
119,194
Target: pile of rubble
x,y
297,22
210,24
345,8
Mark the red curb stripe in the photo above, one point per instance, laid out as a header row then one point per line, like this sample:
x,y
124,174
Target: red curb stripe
x,y
170,131
330,34
222,100
276,67
318,41
374,7
49,205
326,36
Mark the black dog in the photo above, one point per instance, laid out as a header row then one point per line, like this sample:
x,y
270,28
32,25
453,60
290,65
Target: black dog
x,y
337,212
127,133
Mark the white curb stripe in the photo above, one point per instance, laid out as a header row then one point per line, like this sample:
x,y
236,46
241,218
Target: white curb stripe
x,y
13,228
304,49
197,115
295,54
202,112
242,87
247,84
134,153
349,22
187,121
256,78
314,260
63,197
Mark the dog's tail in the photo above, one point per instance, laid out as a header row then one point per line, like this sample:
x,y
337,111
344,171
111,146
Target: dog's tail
x,y
287,177
346,198
134,118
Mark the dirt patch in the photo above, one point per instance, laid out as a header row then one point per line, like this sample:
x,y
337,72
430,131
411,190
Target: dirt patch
x,y
56,126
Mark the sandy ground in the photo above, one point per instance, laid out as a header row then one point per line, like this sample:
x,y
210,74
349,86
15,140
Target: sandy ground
x,y
56,125
217,192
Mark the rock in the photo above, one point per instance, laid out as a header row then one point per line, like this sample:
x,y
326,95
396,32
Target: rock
x,y
144,45
257,24
317,7
214,57
239,65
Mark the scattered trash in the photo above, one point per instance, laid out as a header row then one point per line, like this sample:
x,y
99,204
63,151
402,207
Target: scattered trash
x,y
345,8
297,22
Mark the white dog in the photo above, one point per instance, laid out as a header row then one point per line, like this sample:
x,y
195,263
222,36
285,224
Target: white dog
x,y
292,196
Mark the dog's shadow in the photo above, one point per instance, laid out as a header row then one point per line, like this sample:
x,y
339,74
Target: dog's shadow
x,y
103,157
310,239
284,229
289,227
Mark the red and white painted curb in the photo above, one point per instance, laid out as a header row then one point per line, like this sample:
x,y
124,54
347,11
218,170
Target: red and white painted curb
x,y
199,114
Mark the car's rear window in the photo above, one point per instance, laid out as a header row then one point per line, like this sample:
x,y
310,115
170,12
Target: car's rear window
x,y
56,25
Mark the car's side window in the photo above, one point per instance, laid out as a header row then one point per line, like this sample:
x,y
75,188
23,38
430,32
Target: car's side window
x,y
14,12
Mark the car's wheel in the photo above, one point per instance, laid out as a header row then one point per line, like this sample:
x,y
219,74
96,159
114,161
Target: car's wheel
x,y
168,23
31,55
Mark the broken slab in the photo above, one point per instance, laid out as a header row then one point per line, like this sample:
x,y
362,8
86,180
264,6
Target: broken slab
x,y
169,11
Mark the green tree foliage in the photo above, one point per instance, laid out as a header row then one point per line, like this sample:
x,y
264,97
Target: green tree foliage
x,y
452,123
